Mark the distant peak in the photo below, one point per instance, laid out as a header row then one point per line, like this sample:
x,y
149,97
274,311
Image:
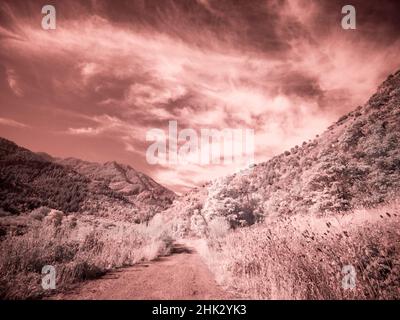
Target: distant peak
x,y
111,164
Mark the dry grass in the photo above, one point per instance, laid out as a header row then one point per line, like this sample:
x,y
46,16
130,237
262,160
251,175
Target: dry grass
x,y
302,257
79,249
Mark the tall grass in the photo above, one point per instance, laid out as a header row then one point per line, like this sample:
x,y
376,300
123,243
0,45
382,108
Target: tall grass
x,y
78,249
302,257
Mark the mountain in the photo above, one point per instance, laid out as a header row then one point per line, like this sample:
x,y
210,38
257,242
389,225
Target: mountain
x,y
29,180
132,185
354,163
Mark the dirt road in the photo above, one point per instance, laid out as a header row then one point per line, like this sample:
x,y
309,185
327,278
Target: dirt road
x,y
182,275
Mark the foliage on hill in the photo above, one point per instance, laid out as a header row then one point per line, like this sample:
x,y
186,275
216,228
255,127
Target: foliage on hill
x,y
354,163
29,180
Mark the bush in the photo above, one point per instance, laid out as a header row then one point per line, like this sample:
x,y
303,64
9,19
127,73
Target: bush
x,y
40,213
218,227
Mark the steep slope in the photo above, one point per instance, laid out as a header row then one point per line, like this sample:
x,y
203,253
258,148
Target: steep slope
x,y
354,163
29,180
134,186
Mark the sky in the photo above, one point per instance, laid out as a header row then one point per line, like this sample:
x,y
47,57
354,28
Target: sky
x,y
112,71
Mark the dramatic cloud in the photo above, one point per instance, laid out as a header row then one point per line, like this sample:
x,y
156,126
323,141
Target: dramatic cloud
x,y
113,70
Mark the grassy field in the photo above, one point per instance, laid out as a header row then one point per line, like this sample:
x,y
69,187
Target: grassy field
x,y
305,257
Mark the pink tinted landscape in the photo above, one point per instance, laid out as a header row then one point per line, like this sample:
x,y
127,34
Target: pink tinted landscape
x,y
78,193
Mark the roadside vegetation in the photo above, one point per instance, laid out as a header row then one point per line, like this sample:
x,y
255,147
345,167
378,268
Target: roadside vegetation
x,y
305,257
79,247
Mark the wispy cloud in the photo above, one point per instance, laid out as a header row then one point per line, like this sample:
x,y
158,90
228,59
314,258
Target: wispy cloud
x,y
272,66
12,123
13,82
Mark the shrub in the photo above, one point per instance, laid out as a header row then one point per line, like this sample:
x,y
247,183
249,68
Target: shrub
x,y
40,213
218,227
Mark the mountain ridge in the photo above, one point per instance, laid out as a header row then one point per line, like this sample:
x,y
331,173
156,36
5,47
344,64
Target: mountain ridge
x,y
354,162
29,180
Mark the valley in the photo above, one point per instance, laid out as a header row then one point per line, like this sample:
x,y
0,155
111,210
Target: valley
x,y
288,228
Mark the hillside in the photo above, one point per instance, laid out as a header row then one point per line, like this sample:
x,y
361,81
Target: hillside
x,y
131,185
30,180
354,163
